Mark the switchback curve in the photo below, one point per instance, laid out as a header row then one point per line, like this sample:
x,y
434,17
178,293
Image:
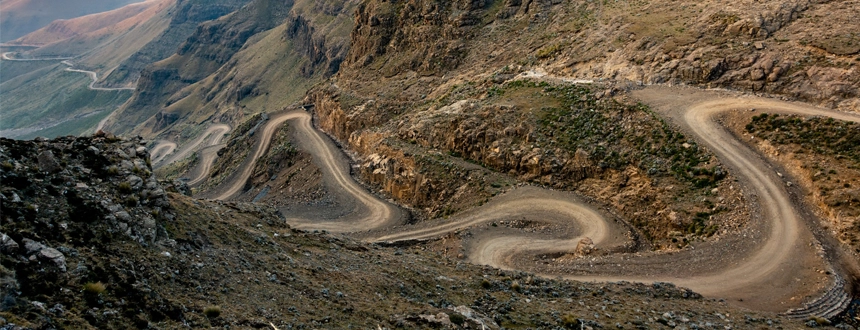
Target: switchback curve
x,y
779,255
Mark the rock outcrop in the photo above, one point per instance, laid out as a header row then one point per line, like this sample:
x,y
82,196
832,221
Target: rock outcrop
x,y
67,186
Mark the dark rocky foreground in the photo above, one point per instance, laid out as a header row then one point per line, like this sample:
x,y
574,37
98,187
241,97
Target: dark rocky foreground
x,y
90,239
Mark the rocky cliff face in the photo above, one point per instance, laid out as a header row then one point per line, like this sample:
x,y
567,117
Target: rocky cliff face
x,y
786,48
61,199
56,187
184,21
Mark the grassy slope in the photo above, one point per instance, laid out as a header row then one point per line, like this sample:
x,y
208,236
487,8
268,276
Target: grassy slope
x,y
269,65
180,22
72,108
24,105
12,69
116,52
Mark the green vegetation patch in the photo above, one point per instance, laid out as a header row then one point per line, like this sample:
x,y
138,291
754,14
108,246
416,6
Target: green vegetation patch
x,y
617,135
825,136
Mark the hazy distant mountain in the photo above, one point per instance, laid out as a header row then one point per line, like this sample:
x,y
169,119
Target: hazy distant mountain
x,y
19,17
104,23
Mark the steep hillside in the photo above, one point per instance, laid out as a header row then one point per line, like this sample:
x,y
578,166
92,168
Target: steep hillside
x,y
103,49
90,240
70,108
181,22
823,155
261,58
115,53
19,17
120,51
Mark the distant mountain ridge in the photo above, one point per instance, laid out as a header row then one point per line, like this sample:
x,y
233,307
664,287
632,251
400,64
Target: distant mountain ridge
x,y
20,17
99,23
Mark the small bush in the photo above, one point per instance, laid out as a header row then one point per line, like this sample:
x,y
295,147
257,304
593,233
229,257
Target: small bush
x,y
212,311
131,201
124,187
113,170
96,288
486,284
8,166
457,318
516,286
569,321
548,51
820,320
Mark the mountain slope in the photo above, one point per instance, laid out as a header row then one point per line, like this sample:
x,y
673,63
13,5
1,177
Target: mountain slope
x,y
69,108
19,17
63,29
113,53
419,72
260,58
182,22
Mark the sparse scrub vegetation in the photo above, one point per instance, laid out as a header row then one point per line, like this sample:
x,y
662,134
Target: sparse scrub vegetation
x,y
549,51
825,154
457,318
212,311
825,136
124,187
94,288
570,321
131,201
583,121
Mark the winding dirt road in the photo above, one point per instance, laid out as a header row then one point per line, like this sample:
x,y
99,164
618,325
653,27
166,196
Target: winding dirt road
x,y
207,155
376,213
785,253
775,266
66,61
95,78
6,57
162,150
